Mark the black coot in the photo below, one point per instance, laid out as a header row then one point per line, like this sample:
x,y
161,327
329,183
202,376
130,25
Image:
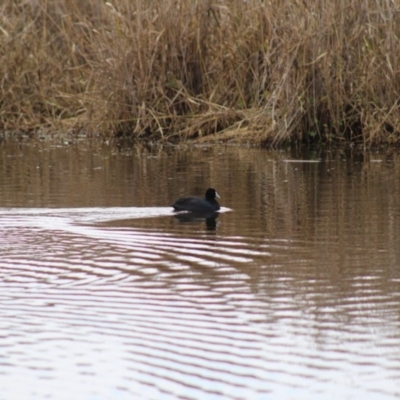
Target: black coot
x,y
198,204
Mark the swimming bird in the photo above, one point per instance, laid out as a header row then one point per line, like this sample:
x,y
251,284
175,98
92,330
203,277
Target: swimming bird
x,y
198,204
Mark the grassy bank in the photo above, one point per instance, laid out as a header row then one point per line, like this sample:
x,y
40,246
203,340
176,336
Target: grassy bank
x,y
264,71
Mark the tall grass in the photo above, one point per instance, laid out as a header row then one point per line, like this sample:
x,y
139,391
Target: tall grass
x,y
264,71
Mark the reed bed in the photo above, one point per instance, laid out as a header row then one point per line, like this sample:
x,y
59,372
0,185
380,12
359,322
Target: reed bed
x,y
247,70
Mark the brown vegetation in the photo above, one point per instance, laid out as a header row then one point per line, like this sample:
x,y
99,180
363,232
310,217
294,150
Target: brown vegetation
x,y
264,71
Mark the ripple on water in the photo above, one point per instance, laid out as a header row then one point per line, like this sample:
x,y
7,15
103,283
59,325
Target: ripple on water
x,y
123,312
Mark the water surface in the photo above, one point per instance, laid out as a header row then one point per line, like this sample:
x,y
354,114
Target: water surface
x,y
293,291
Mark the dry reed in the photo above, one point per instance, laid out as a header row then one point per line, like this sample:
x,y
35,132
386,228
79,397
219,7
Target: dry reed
x,y
253,70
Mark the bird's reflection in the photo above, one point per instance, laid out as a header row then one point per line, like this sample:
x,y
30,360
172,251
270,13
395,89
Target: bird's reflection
x,y
195,217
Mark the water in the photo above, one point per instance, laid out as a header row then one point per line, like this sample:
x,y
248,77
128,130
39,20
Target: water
x,y
292,292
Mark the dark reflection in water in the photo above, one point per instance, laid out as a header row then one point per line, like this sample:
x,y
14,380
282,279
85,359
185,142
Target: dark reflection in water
x,y
210,218
105,292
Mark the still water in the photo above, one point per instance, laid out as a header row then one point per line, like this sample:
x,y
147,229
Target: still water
x,y
293,292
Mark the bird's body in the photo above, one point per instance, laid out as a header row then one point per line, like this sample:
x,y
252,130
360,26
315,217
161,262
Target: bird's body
x,y
198,204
